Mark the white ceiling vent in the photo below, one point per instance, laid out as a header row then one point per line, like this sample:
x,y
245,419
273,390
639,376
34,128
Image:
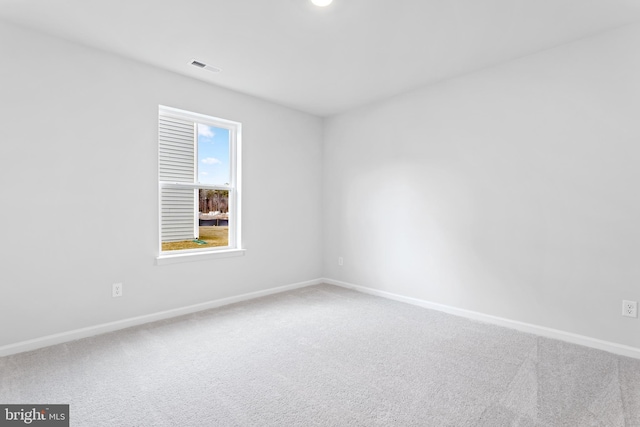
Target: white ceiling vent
x,y
205,66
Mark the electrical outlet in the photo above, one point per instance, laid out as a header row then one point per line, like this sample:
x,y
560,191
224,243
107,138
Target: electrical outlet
x,y
340,261
630,308
116,290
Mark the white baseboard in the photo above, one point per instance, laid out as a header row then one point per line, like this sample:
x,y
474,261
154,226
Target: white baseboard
x,y
76,334
611,347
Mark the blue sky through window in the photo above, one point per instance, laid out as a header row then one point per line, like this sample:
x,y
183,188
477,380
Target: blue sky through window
x,y
213,155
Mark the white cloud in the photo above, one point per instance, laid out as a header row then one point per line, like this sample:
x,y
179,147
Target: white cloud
x,y
204,130
204,173
211,161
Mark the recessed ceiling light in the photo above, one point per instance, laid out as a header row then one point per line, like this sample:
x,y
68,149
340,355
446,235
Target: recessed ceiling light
x,y
321,3
204,66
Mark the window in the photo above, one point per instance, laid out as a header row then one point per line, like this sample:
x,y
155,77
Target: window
x,y
199,184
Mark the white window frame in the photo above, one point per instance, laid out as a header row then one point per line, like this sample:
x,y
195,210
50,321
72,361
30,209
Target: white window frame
x,y
234,188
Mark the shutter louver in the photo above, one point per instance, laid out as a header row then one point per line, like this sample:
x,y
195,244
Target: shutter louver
x,y
176,164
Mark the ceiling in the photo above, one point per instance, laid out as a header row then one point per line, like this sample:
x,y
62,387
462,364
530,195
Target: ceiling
x,y
322,61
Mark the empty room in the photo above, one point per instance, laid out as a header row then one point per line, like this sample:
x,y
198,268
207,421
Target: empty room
x,y
320,213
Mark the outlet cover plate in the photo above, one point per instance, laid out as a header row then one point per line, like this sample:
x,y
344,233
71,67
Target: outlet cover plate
x,y
116,290
630,308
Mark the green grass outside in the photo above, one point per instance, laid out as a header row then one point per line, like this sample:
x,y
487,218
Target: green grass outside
x,y
214,236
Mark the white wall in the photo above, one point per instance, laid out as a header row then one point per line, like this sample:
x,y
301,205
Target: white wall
x,y
512,191
78,167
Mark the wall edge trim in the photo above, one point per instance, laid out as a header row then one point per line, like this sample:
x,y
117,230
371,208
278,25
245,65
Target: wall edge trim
x,y
76,334
611,347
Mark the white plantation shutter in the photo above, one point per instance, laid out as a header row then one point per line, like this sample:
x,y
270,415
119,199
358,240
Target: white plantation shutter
x,y
177,164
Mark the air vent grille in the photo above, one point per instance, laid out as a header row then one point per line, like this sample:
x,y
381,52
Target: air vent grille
x,y
205,66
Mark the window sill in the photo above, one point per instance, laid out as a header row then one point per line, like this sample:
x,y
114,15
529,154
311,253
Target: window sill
x,y
197,256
